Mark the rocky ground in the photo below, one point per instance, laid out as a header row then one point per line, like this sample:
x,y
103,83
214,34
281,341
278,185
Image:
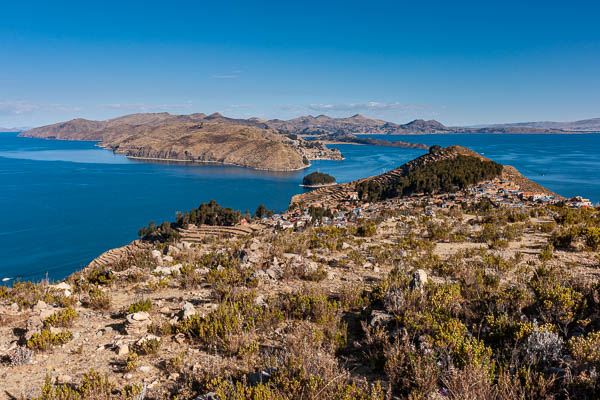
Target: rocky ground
x,y
191,320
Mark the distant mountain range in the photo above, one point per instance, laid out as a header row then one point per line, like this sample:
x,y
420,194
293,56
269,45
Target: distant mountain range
x,y
584,125
13,129
82,129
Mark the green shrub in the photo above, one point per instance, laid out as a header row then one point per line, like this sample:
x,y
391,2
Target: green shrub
x,y
586,350
366,230
45,339
142,305
592,237
92,386
132,361
99,276
148,346
63,318
99,300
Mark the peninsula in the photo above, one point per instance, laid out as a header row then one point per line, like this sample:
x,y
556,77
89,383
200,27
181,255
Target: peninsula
x,y
193,138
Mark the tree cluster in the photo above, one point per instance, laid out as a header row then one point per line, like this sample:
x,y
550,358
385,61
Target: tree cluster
x,y
210,213
447,175
317,178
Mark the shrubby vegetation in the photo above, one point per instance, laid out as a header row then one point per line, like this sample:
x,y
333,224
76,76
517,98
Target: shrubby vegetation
x,y
210,213
317,178
447,175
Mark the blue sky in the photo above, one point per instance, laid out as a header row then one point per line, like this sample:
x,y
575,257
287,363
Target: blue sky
x,y
459,62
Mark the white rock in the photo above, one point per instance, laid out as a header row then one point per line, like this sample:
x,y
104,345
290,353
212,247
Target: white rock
x,y
39,306
168,270
168,259
64,379
144,368
173,250
188,310
64,287
123,350
157,255
139,316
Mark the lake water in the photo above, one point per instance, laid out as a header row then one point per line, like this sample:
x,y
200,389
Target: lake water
x,y
63,203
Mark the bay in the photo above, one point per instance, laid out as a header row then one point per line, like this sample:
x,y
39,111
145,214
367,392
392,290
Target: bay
x,y
63,203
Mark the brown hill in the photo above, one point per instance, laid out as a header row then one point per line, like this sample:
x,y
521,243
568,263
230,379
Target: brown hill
x,y
357,124
193,137
344,190
207,142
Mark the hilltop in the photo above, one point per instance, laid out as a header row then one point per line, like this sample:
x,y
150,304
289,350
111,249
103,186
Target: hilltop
x,y
423,174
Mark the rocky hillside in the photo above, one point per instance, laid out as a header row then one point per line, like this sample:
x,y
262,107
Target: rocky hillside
x,y
83,129
412,168
341,137
404,300
193,138
357,124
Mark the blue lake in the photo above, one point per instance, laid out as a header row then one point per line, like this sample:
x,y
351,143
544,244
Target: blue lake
x,y
63,203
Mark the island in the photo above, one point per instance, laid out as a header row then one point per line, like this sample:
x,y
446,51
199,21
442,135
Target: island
x,y
317,179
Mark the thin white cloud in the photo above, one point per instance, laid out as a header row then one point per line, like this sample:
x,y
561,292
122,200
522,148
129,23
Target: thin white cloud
x,y
369,106
227,75
392,111
24,107
140,107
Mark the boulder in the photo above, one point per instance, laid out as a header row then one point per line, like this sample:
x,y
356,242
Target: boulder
x,y
419,280
157,256
172,250
40,305
139,316
168,270
64,380
188,310
379,318
65,288
261,376
259,274
184,245
273,273
122,350
137,323
207,396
